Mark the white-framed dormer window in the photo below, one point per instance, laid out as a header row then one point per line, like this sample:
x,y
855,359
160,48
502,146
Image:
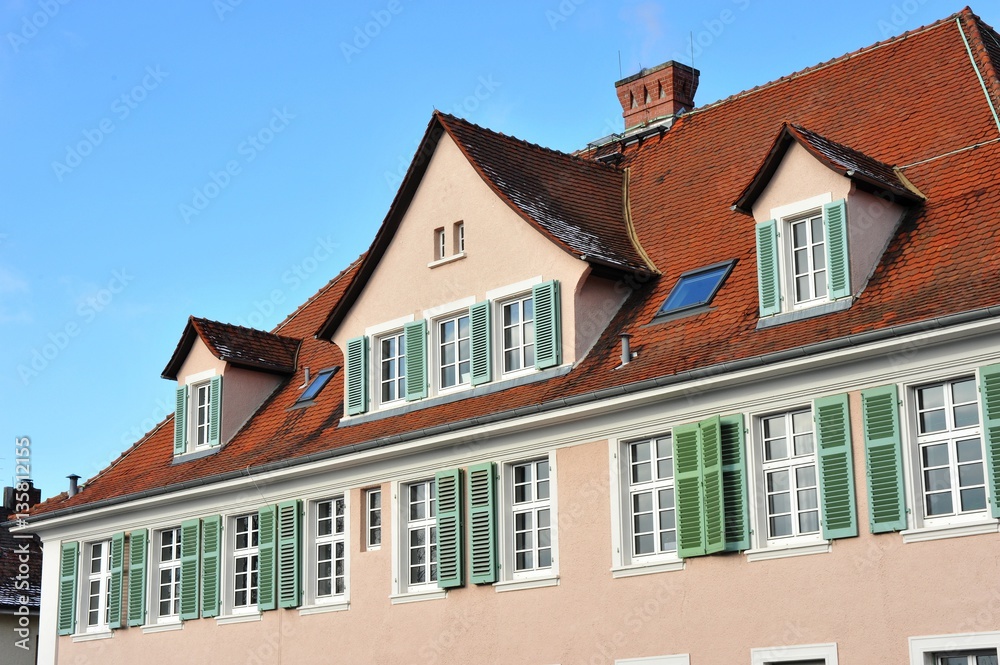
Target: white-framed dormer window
x,y
198,417
786,478
391,367
373,518
98,590
452,351
529,520
805,258
329,550
167,564
517,334
202,396
419,540
244,548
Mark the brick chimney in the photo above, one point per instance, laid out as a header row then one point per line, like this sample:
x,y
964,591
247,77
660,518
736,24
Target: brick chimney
x,y
655,93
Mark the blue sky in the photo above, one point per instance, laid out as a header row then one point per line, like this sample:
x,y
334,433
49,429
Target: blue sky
x,y
226,159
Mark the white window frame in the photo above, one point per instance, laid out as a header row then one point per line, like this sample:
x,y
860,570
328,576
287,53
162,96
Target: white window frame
x,y
371,528
340,528
436,355
197,408
103,579
233,554
440,244
399,359
761,467
777,655
460,237
784,217
519,579
500,329
788,248
173,566
679,659
655,485
428,523
924,649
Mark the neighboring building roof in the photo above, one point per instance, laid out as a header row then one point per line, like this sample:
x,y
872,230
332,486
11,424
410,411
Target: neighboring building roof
x,y
10,562
243,347
871,174
913,101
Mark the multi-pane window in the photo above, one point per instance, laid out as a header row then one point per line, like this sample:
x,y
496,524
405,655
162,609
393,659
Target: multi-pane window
x,y
788,465
330,549
421,534
168,574
440,249
652,513
98,585
518,334
392,367
373,518
203,406
245,562
460,237
453,351
530,525
986,657
950,444
808,260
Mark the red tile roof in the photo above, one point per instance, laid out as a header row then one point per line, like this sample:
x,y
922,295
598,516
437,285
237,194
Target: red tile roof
x,y
913,101
243,347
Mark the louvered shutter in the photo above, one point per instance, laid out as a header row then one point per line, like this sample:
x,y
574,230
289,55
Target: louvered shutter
x,y
448,489
137,558
836,466
989,388
710,433
180,421
289,553
416,360
480,342
211,540
884,459
734,483
768,280
838,273
687,486
265,558
68,563
548,329
357,376
482,515
215,411
115,581
190,559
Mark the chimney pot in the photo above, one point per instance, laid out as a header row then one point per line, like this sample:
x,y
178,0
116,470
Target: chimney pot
x,y
676,84
627,354
73,484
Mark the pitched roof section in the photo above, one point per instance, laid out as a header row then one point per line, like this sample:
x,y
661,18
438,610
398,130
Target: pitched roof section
x,y
869,173
576,203
243,347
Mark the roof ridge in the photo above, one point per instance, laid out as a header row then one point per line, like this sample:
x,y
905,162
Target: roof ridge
x,y
990,75
323,289
909,34
196,319
529,144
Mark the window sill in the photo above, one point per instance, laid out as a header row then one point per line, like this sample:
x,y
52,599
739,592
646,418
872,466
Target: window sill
x,y
90,637
323,608
531,583
806,313
196,454
781,552
418,596
647,568
162,627
237,618
950,531
447,259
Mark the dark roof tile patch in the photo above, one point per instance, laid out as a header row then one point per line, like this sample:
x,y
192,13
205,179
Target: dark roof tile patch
x,y
243,347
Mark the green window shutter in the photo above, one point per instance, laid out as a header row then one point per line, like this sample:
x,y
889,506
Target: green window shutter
x,y
483,527
289,553
836,466
266,518
989,388
416,360
180,421
710,434
67,587
211,555
357,376
548,328
215,411
115,583
884,459
448,493
190,557
734,483
768,280
137,553
480,341
838,274
687,486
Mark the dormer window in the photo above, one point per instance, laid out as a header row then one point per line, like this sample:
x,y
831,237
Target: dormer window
x,y
197,421
518,334
203,407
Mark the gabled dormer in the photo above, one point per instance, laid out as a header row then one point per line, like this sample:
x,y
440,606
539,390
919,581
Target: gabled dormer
x,y
499,262
825,214
224,373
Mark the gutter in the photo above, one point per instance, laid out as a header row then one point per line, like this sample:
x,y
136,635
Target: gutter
x,y
719,369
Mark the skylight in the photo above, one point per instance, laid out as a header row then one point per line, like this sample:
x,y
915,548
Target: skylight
x,y
696,288
317,384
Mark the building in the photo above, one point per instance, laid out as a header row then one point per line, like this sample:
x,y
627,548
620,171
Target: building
x,y
20,580
724,388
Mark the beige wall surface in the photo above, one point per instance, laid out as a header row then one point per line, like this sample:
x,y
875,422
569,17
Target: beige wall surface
x,y
243,391
799,176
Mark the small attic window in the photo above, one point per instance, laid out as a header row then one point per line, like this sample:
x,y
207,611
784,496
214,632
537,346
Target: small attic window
x,y
316,385
696,288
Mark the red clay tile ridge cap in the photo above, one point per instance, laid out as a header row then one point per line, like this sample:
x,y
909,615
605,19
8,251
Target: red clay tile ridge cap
x,y
578,203
240,346
870,174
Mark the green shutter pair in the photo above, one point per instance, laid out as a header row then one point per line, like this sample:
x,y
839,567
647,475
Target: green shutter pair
x,y
201,562
68,568
214,416
279,562
837,258
451,525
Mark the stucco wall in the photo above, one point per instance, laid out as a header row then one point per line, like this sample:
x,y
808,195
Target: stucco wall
x,y
10,653
799,176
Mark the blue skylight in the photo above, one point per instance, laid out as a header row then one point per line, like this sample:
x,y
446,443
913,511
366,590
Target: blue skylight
x,y
696,288
317,385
